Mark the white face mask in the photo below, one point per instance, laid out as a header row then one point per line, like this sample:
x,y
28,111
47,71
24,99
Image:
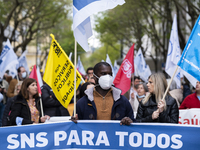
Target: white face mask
x,y
24,75
105,81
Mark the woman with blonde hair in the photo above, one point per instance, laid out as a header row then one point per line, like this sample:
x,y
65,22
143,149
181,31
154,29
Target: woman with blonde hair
x,y
152,108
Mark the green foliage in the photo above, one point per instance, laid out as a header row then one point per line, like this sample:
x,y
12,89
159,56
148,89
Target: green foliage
x,y
100,55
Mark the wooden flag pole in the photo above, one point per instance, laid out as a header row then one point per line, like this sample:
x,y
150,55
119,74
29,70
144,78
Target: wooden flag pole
x,y
75,53
170,83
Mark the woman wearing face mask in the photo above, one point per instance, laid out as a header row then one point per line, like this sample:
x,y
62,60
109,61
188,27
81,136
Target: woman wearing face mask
x,y
152,108
26,107
141,93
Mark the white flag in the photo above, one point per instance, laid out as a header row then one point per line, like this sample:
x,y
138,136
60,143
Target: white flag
x,y
115,68
82,10
8,58
70,56
141,68
23,62
173,57
110,63
80,67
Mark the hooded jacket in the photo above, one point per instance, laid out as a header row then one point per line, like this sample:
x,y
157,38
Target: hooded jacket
x,y
86,109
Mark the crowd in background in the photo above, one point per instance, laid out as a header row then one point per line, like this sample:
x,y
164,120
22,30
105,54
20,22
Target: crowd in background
x,y
97,99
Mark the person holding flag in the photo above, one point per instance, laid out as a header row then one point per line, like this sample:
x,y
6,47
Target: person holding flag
x,y
26,107
152,108
104,101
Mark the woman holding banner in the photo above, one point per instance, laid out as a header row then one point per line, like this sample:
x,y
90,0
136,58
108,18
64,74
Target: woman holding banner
x,y
26,107
152,108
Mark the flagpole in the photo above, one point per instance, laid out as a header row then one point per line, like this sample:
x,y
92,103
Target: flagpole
x,y
170,83
75,55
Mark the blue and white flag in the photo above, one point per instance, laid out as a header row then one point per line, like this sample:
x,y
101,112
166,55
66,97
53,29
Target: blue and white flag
x,y
80,67
173,55
190,59
8,58
141,68
23,62
82,10
110,63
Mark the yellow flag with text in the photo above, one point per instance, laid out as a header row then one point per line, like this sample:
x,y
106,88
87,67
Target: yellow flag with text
x,y
59,73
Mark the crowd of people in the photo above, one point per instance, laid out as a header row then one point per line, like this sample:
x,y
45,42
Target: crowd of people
x,y
98,99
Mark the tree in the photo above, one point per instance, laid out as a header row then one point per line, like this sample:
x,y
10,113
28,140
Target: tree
x,y
152,18
30,18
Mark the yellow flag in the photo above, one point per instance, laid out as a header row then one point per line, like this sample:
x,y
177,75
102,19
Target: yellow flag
x,y
59,73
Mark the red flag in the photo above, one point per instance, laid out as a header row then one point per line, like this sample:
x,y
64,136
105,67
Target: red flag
x,y
33,75
123,77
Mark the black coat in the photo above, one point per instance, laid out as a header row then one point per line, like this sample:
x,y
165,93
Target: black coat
x,y
51,105
170,115
7,110
21,109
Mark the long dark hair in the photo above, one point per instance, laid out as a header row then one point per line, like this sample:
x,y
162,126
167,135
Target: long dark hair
x,y
24,92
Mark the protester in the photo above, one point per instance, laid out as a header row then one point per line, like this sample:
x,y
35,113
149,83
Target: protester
x,y
26,108
10,101
104,102
3,91
152,108
141,93
84,87
176,93
192,100
22,75
89,72
132,92
51,105
185,86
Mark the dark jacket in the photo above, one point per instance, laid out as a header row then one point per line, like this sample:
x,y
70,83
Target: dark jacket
x,y
86,109
7,110
145,111
21,109
51,105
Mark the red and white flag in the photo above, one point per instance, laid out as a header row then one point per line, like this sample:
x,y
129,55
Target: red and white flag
x,y
123,77
34,75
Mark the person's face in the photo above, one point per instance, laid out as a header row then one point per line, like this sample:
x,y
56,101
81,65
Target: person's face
x,y
136,82
90,73
103,70
198,86
32,88
18,88
140,90
150,86
22,70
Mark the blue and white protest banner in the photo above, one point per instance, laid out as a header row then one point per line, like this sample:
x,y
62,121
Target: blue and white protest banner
x,y
82,10
190,59
8,58
96,135
23,62
142,69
